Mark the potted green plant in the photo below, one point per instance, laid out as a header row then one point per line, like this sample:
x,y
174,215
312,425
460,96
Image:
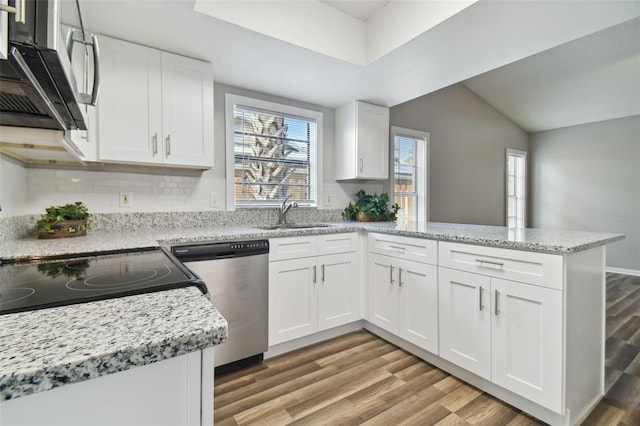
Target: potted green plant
x,y
70,220
371,208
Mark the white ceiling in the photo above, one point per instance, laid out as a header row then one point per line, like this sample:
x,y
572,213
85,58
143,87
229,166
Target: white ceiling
x,y
485,36
362,9
594,78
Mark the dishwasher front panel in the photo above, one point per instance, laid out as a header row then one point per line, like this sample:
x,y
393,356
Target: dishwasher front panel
x,y
238,288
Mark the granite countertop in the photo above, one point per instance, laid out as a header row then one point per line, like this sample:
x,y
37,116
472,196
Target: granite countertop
x,y
530,239
48,348
44,349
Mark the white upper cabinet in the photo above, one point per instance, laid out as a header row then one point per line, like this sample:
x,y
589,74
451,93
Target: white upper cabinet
x,y
155,108
187,111
362,142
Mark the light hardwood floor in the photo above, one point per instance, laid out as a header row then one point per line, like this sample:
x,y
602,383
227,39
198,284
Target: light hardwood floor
x,y
359,378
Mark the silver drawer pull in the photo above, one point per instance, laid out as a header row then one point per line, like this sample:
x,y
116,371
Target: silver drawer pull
x,y
480,291
315,274
489,262
391,274
497,311
400,276
322,268
398,247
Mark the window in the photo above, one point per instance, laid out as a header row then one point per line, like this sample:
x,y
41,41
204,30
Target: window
x,y
272,153
410,171
516,188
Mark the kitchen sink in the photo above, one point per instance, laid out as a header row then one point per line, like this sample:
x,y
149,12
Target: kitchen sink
x,y
294,226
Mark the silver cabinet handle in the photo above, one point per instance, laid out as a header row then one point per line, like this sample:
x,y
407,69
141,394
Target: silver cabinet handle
x,y
391,274
315,274
398,247
480,290
168,147
483,261
322,271
400,277
154,143
19,10
497,296
361,159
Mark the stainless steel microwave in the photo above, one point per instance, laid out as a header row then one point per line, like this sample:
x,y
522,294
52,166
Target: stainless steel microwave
x,y
38,88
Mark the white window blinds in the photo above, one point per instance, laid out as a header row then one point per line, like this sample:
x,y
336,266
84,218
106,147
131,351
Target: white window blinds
x,y
274,157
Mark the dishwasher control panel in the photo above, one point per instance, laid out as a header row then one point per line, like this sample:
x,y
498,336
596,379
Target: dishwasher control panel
x,y
220,250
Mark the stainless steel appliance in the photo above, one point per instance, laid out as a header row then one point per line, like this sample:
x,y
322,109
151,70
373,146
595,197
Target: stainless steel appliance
x,y
237,276
46,283
38,87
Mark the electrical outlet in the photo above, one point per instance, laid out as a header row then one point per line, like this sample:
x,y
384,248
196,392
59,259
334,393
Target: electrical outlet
x,y
215,198
125,199
328,200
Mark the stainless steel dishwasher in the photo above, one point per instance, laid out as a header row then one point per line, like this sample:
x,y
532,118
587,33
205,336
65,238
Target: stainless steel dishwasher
x,y
237,277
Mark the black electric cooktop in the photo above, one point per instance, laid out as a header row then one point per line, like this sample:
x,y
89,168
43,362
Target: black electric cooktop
x,y
48,283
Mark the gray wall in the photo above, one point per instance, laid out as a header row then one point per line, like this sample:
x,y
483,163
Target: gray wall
x,y
468,143
587,177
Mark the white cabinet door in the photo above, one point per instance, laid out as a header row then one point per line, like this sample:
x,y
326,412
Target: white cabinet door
x,y
418,310
130,104
383,292
338,290
293,299
372,141
362,142
187,111
4,30
465,320
527,341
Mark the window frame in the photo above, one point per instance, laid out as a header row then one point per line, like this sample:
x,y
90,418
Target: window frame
x,y
522,154
231,100
423,215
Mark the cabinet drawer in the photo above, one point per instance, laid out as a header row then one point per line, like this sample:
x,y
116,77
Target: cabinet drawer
x,y
337,243
529,267
292,247
418,249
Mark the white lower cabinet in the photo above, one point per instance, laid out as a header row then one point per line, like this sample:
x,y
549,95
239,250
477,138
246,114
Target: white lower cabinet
x,y
175,391
465,320
312,293
526,337
403,299
293,300
507,332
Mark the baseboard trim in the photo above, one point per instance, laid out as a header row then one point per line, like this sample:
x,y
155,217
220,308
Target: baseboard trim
x,y
623,271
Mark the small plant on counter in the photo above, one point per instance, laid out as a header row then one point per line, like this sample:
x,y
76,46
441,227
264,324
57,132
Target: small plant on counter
x,y
371,208
70,220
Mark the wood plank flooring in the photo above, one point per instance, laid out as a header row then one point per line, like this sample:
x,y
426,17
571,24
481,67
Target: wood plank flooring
x,y
360,379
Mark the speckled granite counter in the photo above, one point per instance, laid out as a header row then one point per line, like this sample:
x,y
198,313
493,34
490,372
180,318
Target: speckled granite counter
x,y
550,241
44,349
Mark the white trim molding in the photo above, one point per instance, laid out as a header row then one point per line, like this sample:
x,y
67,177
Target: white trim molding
x,y
623,271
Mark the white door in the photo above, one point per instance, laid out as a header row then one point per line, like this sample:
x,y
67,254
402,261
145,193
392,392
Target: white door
x,y
418,313
465,321
293,299
527,341
383,292
130,103
372,141
338,301
187,111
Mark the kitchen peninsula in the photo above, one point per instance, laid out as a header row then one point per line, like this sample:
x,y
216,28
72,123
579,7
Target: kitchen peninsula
x,y
509,283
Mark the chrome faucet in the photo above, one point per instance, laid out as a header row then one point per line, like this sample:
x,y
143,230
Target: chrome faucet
x,y
284,209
